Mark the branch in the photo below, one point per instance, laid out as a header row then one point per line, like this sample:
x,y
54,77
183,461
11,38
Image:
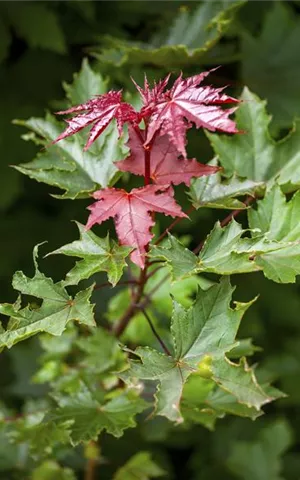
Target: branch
x,y
92,454
90,469
119,328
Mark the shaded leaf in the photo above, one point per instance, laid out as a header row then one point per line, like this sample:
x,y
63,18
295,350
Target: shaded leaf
x,y
268,56
204,403
261,458
38,25
56,310
138,331
42,439
140,466
102,351
89,418
185,42
51,470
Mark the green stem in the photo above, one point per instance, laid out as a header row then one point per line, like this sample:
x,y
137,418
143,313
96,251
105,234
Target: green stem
x,y
160,340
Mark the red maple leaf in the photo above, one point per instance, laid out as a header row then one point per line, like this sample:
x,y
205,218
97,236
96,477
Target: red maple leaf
x,y
131,213
185,103
99,111
151,96
165,166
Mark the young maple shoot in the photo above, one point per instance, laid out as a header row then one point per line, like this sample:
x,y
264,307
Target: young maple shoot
x,y
157,151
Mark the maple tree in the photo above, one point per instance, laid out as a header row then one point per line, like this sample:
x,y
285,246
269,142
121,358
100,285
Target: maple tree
x,y
168,344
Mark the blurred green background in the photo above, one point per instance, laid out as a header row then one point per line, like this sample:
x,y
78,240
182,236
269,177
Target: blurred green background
x,y
42,44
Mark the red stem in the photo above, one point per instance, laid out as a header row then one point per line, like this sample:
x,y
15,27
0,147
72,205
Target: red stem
x,y
172,225
133,306
147,156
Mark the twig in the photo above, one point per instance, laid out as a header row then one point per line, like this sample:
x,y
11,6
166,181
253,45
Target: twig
x,y
160,340
157,286
119,328
172,225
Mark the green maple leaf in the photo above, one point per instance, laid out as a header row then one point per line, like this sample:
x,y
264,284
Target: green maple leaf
x,y
41,438
214,191
268,56
274,245
100,357
140,466
201,336
51,470
254,154
261,458
224,252
65,165
56,310
102,352
279,220
190,36
202,402
88,417
98,255
86,84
